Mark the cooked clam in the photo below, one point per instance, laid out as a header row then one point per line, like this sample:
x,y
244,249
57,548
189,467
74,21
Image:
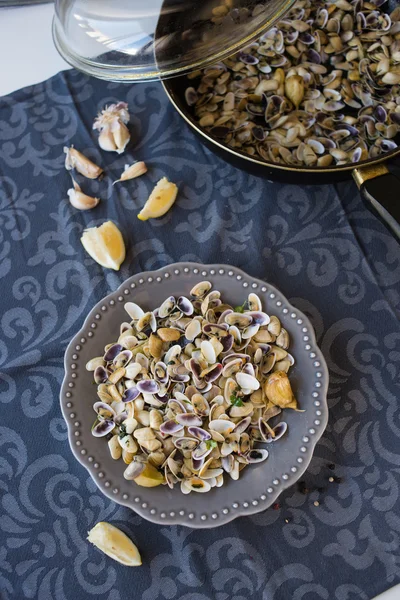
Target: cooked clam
x,y
320,88
186,393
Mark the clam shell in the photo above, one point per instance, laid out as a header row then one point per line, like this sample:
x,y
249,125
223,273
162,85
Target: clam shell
x,y
241,320
257,455
185,306
201,451
102,407
189,419
246,381
208,351
258,317
228,463
100,375
230,388
250,331
193,330
133,310
241,411
195,484
199,433
147,320
232,367
200,405
221,426
130,394
170,427
242,425
112,352
201,289
103,428
133,470
92,364
148,386
166,307
186,443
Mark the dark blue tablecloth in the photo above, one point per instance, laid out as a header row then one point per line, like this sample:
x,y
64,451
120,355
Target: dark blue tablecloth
x,y
319,245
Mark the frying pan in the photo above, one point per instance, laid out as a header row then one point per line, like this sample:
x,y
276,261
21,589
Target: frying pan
x,y
380,188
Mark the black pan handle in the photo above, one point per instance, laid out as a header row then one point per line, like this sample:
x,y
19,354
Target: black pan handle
x,y
380,191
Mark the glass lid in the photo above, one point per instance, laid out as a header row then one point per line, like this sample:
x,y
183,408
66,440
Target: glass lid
x,y
136,40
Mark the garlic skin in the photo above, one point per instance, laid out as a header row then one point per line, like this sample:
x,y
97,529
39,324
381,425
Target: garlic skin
x,y
76,160
132,171
80,200
111,122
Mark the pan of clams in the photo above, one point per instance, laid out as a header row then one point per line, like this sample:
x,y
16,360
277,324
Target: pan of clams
x,y
316,98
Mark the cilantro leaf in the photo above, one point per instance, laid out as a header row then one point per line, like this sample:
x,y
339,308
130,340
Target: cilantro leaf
x,y
236,401
211,444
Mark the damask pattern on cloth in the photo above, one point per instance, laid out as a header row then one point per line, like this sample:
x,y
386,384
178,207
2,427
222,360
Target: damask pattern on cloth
x,y
327,254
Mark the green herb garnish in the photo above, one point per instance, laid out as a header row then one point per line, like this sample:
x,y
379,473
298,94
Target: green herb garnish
x,y
211,444
96,421
242,308
236,401
122,431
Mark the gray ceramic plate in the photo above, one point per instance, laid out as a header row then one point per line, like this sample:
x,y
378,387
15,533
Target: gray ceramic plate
x,y
259,485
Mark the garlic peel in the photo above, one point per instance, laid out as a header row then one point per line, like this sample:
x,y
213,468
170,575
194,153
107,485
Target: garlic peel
x,y
76,160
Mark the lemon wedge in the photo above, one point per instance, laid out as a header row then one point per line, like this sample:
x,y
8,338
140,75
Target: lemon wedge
x,y
105,245
149,477
115,544
160,200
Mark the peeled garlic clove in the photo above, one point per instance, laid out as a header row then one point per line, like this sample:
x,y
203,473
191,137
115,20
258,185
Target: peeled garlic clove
x,y
76,160
80,200
135,170
294,89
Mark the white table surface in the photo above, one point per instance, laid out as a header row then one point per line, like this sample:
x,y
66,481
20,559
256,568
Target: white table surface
x,y
30,58
28,54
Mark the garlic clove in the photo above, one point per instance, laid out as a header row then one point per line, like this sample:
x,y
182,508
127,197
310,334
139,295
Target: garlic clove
x,y
111,122
76,160
294,89
132,171
121,135
106,141
80,200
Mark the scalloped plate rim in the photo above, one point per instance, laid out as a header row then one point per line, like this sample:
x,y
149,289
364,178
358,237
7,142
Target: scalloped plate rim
x,y
251,510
